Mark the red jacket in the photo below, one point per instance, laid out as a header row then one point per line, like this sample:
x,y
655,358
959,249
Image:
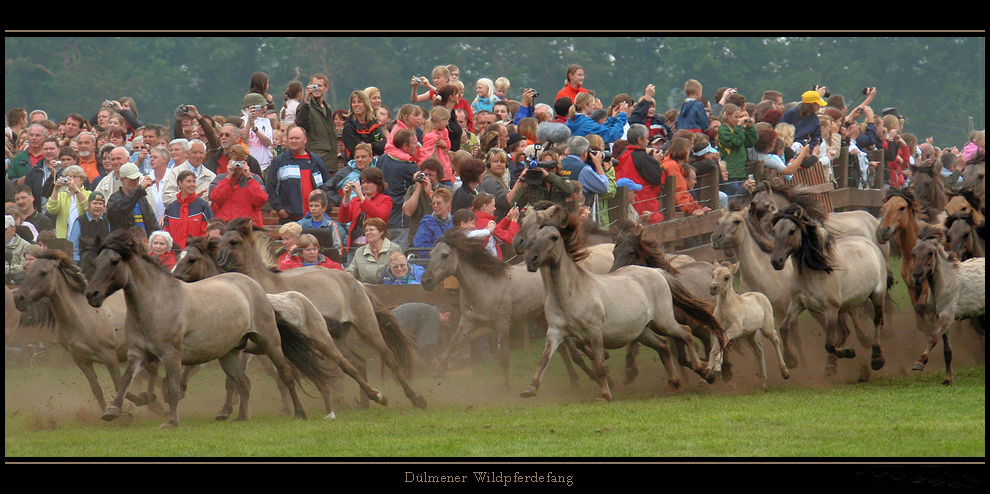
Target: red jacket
x,y
233,200
896,166
647,199
505,230
293,261
377,206
186,217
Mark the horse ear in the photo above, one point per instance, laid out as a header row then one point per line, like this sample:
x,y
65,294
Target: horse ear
x,y
734,267
555,216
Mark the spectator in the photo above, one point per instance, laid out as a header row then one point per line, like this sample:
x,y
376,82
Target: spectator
x,y
14,244
898,156
645,113
86,150
178,149
238,193
318,218
447,97
576,167
41,177
631,189
160,243
361,126
502,112
293,95
692,115
194,163
735,135
289,234
129,207
400,272
308,248
189,213
30,255
434,223
804,118
68,199
315,116
976,145
469,140
230,139
505,230
573,85
259,85
485,98
408,118
436,140
152,136
544,183
257,133
369,202
678,154
597,144
24,199
580,123
502,87
417,202
160,160
363,158
371,259
398,174
32,155
423,323
293,175
471,171
87,227
215,228
441,77
638,162
496,179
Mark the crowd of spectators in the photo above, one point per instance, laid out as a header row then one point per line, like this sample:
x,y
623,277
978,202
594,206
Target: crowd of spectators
x,y
357,189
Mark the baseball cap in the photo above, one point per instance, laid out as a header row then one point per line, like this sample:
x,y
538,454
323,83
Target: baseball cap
x,y
628,183
8,221
130,170
813,97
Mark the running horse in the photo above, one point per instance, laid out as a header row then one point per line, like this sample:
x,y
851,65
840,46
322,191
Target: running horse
x,y
345,303
599,242
603,311
830,276
929,189
90,335
197,261
180,324
899,222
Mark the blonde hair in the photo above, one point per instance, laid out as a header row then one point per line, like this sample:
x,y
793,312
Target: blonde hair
x,y
487,83
502,84
441,71
785,132
306,240
292,228
436,114
580,101
692,86
363,96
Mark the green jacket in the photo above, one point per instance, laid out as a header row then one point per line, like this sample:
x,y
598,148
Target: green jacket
x,y
19,166
321,133
732,144
560,191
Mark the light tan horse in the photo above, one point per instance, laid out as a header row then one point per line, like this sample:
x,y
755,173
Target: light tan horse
x,y
181,323
11,316
346,304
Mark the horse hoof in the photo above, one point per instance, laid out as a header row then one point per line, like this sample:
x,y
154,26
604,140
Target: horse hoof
x,y
380,398
419,402
845,353
221,417
605,398
330,416
947,382
528,393
138,400
918,366
167,425
111,413
877,363
301,415
631,375
785,374
156,408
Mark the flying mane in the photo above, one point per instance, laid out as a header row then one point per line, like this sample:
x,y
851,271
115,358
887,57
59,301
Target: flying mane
x,y
73,275
816,246
474,252
262,244
631,233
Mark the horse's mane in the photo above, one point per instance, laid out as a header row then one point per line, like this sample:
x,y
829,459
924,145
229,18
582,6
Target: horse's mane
x,y
631,233
969,195
73,275
474,252
206,245
906,193
264,245
963,217
931,231
574,241
795,194
815,251
123,242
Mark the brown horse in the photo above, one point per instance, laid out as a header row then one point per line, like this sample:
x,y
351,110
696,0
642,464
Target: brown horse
x,y
90,335
180,324
198,261
345,302
962,237
929,189
899,222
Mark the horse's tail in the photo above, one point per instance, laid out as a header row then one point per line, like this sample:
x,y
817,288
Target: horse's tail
x,y
396,340
694,307
301,351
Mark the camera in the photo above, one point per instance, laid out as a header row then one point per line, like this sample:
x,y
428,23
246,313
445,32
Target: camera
x,y
63,181
238,164
536,93
826,94
256,107
313,87
866,90
108,104
420,177
183,109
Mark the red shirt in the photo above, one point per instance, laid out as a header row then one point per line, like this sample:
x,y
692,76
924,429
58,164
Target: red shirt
x,y
570,92
305,178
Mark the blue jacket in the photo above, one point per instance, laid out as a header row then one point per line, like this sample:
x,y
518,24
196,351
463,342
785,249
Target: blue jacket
x,y
430,230
610,131
284,185
591,181
398,177
804,127
412,278
692,116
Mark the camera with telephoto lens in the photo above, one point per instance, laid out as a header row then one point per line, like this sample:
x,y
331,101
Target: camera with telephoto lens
x,y
420,177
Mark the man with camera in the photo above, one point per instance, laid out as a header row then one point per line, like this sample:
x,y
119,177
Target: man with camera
x,y
316,116
230,137
417,203
587,167
41,178
239,192
541,181
639,163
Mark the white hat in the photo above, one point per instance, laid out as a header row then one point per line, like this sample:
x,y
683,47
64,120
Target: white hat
x,y
8,221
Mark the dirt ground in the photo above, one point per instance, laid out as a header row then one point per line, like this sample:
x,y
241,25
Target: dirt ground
x,y
56,391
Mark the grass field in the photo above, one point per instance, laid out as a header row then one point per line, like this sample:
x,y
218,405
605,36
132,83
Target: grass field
x,y
857,414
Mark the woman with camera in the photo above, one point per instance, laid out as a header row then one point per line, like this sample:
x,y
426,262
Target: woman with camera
x,y
68,200
238,193
369,202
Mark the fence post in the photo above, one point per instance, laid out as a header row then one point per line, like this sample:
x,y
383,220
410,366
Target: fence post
x,y
842,160
881,170
755,168
668,202
708,190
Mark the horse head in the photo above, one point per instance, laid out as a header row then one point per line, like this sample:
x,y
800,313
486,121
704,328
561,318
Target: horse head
x,y
798,233
443,264
110,269
41,280
198,260
542,213
960,235
926,253
722,277
899,208
237,250
547,248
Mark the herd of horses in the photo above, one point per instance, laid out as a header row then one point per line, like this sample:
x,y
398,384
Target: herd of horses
x,y
587,290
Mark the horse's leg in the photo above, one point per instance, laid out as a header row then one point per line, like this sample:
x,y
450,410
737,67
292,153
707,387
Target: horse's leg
x,y
135,358
269,368
503,350
631,371
234,365
151,374
665,322
944,321
360,365
947,353
598,360
569,353
788,330
94,382
876,359
861,336
554,338
756,341
329,349
377,341
171,359
770,333
659,344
